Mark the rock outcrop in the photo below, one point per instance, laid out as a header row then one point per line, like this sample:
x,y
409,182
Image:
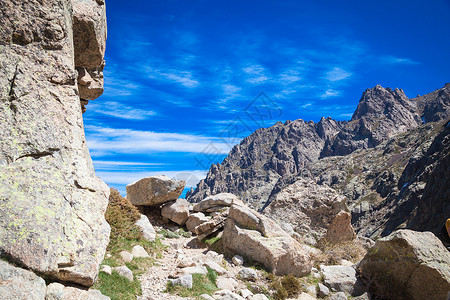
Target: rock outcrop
x,y
407,265
260,239
154,190
311,209
52,205
384,160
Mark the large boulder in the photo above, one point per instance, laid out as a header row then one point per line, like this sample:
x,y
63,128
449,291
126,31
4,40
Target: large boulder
x,y
407,265
52,204
154,190
20,284
260,239
312,210
177,211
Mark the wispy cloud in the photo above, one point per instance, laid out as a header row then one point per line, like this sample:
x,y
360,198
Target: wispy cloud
x,y
257,74
106,141
330,93
192,177
398,60
121,111
337,74
184,78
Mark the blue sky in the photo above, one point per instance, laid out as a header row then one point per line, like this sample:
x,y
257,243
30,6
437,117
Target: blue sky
x,y
186,80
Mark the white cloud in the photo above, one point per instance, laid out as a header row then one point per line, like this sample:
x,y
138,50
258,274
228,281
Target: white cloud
x,y
330,93
118,110
184,78
257,73
192,177
103,141
397,60
337,74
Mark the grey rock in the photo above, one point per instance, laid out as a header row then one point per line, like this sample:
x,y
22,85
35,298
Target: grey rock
x,y
228,295
219,200
154,190
238,260
126,256
246,293
53,205
147,229
260,297
226,283
311,289
185,281
194,220
194,270
407,265
259,238
322,290
125,272
57,291
139,251
206,297
339,278
339,296
177,211
17,283
215,267
107,269
248,274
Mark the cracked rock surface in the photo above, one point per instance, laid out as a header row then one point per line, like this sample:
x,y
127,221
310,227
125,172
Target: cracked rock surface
x,y
51,203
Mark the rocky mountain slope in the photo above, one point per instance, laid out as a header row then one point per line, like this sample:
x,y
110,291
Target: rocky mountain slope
x,y
384,160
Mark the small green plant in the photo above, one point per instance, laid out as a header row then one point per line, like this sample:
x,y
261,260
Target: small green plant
x,y
169,234
117,287
201,284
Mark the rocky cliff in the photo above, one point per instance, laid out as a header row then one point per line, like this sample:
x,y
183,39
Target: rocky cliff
x,y
380,160
51,203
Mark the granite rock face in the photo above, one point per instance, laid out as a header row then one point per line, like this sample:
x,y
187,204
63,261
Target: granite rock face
x,y
17,283
407,265
310,208
52,204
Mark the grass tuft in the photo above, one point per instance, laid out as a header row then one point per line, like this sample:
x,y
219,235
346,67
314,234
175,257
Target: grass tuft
x,y
201,284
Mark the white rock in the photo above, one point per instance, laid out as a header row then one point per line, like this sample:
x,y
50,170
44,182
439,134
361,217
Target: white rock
x,y
323,291
339,278
125,272
139,251
107,269
246,293
185,281
206,297
305,296
186,262
338,296
260,297
194,270
238,260
226,283
126,256
215,266
311,290
177,211
248,274
147,229
228,295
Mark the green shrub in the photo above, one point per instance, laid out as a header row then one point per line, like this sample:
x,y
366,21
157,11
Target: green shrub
x,y
201,284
